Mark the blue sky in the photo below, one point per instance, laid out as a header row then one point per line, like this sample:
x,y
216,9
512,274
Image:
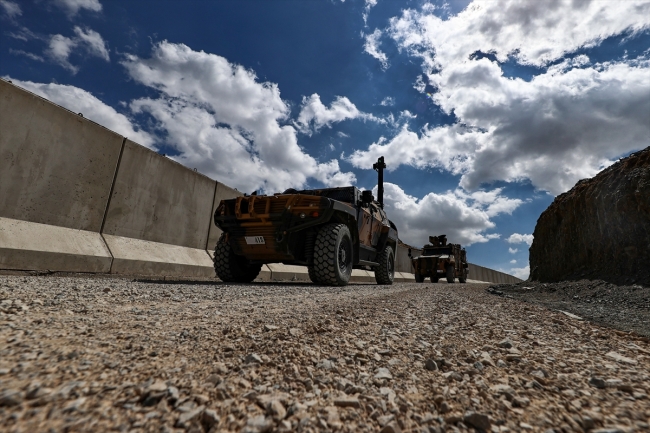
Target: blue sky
x,y
484,111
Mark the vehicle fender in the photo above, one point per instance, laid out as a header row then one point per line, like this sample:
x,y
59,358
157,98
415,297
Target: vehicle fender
x,y
388,236
347,215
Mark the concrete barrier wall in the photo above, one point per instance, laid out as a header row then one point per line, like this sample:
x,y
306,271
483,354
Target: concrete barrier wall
x,y
159,214
40,185
486,274
402,260
77,197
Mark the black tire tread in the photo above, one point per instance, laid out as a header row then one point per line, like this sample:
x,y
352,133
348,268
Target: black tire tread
x,y
450,274
382,272
463,279
232,268
325,255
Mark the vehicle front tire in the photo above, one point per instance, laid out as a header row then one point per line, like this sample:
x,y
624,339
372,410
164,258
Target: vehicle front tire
x,y
419,278
230,267
450,274
385,272
333,255
463,279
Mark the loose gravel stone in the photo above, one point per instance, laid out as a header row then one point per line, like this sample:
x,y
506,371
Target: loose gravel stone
x,y
479,421
347,402
597,382
383,373
430,365
298,357
11,397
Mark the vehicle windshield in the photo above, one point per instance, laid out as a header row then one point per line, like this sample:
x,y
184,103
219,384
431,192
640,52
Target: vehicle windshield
x,y
437,251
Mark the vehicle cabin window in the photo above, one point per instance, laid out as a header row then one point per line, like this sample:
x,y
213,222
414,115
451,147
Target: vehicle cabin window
x,y
436,251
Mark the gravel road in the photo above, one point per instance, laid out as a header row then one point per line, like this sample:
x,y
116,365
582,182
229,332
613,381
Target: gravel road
x,y
623,307
100,354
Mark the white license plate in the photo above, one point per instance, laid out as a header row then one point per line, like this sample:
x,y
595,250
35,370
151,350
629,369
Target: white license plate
x,y
255,240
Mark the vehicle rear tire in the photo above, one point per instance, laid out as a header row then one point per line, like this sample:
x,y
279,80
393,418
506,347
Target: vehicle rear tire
x,y
333,255
450,274
419,278
463,278
385,272
233,268
434,279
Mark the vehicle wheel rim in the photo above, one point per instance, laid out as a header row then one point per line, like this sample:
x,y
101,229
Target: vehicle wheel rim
x,y
391,266
344,255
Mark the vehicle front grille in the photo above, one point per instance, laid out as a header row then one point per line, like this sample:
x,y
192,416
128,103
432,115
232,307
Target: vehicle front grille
x,y
263,208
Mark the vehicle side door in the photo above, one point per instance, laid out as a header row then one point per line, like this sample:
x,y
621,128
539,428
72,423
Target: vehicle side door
x,y
365,226
377,217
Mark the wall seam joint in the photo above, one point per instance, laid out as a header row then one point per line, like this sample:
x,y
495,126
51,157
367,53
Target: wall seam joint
x,y
214,199
108,203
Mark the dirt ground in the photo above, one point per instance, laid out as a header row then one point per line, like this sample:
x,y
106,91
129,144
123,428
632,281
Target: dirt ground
x,y
622,307
81,354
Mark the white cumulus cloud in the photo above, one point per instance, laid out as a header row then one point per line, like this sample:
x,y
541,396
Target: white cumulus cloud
x,y
61,47
517,238
225,122
371,46
513,261
366,9
32,56
522,273
565,124
72,7
534,33
81,101
314,114
513,250
463,219
12,9
93,42
492,201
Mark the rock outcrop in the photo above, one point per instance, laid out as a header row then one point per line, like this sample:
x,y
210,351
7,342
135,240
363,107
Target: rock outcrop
x,y
598,229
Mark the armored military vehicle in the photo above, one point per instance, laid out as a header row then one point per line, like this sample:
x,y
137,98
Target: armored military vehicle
x,y
330,230
440,259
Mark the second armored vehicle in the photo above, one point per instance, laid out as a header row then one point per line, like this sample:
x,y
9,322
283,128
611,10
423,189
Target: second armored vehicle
x,y
331,231
441,260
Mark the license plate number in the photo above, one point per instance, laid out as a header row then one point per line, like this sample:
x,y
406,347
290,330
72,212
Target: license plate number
x,y
255,240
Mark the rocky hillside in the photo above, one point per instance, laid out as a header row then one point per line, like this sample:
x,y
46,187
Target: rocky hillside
x,y
599,229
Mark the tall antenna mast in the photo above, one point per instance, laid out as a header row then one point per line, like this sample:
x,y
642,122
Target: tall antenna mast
x,y
379,167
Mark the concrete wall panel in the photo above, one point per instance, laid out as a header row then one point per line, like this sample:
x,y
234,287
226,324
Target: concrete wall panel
x,y
139,257
481,273
402,260
221,192
32,246
156,199
280,272
55,166
362,276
